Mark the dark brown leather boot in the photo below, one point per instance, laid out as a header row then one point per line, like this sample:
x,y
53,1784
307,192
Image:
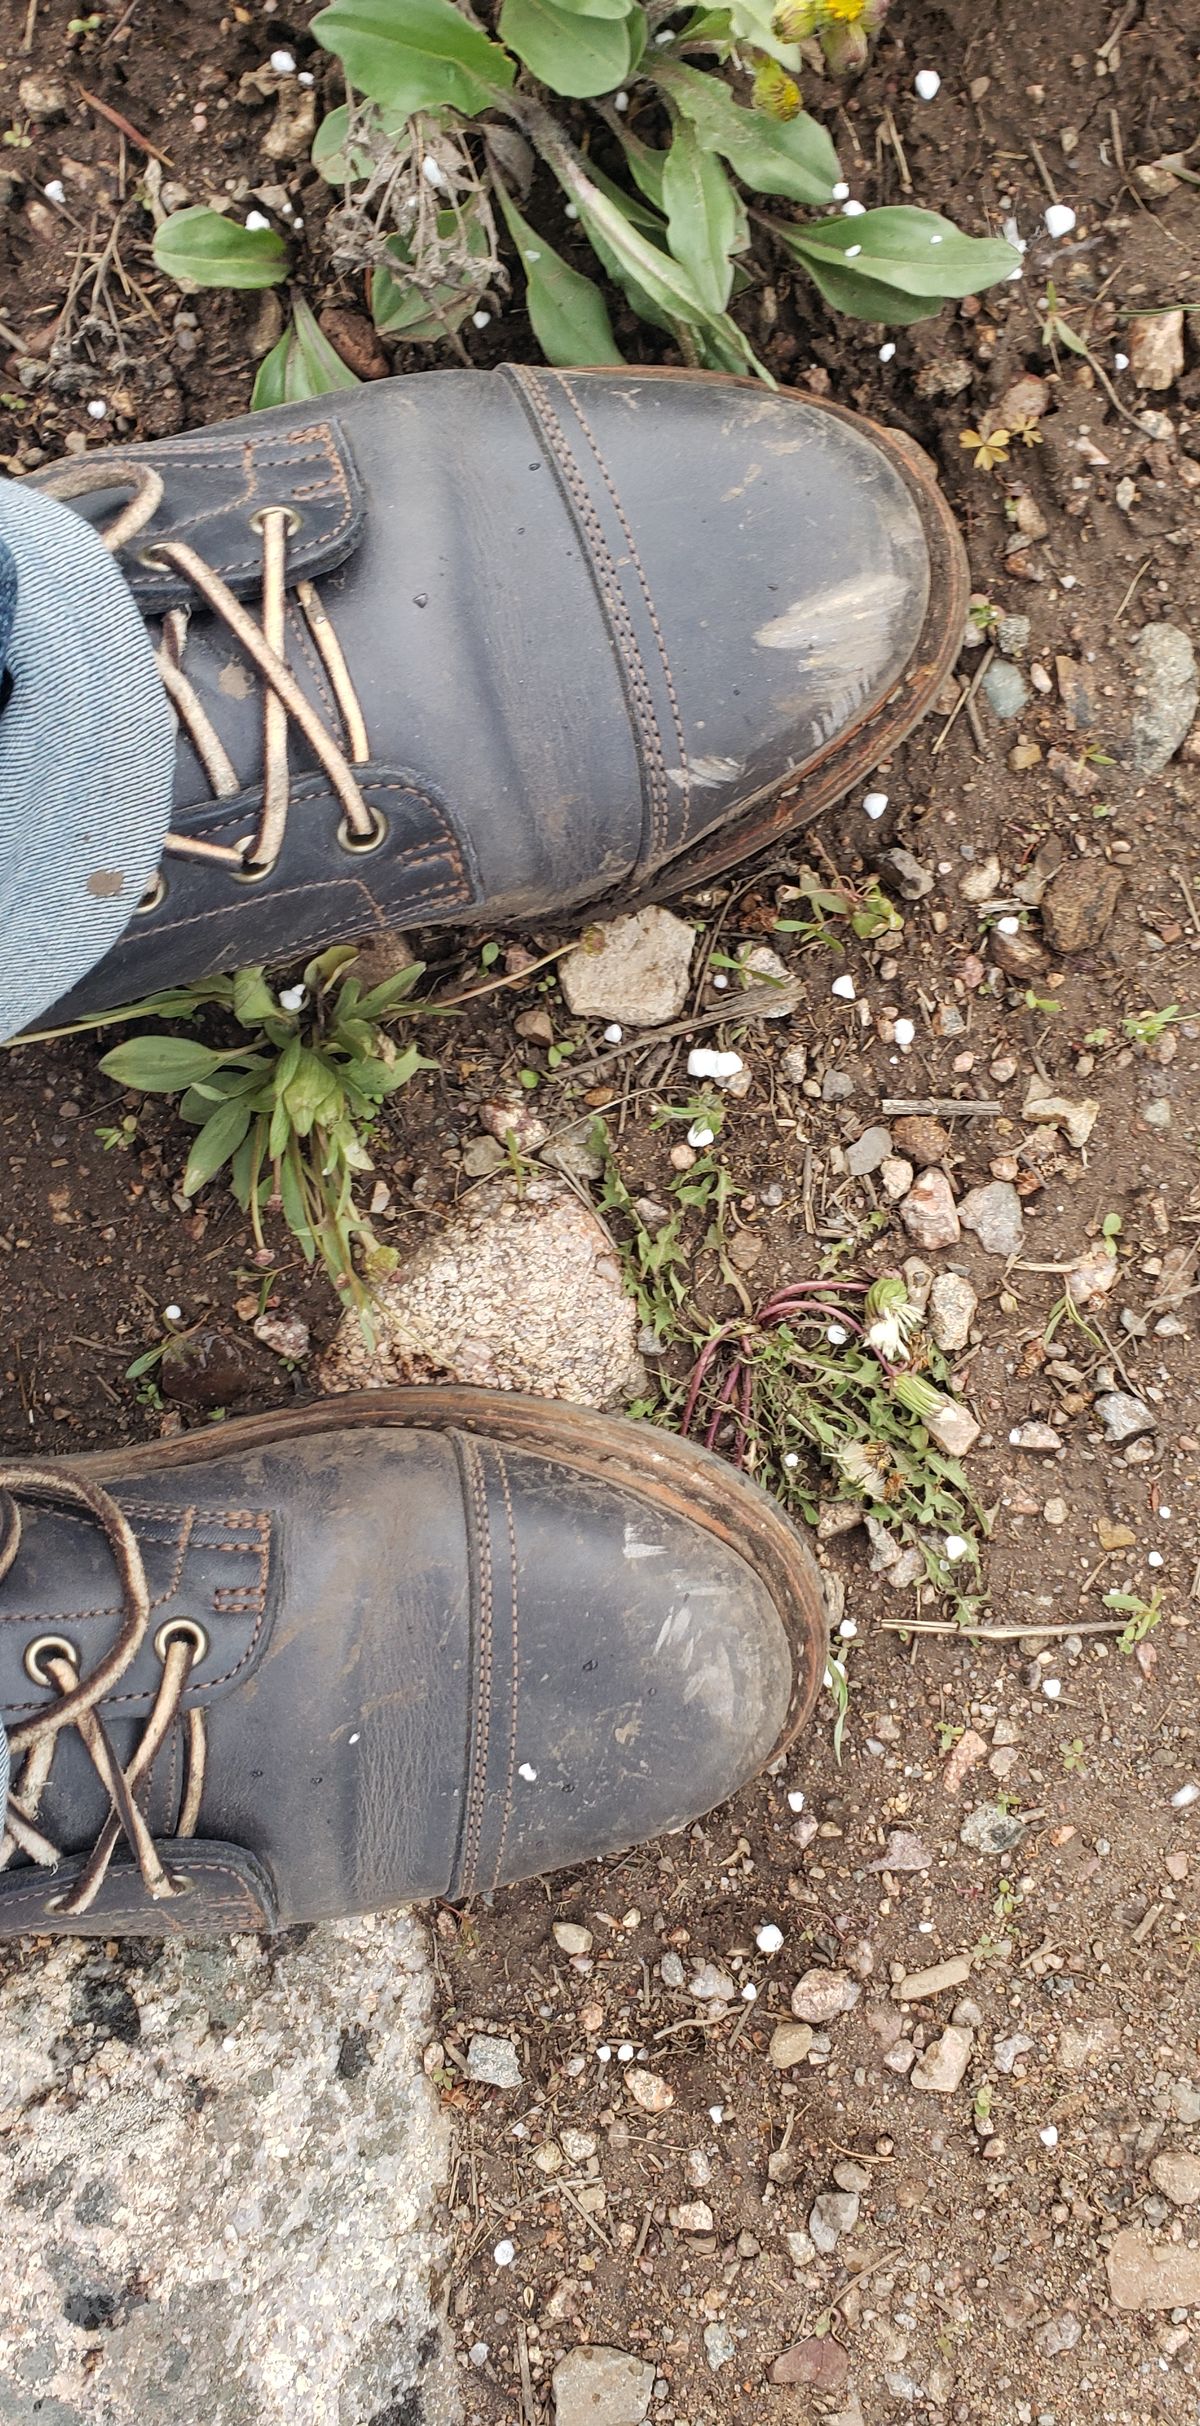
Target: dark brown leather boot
x,y
411,1643
491,645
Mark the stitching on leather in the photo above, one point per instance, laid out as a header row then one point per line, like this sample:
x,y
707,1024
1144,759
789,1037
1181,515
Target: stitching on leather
x,y
516,1645
257,1605
621,623
246,1895
259,456
451,894
477,1789
644,586
448,847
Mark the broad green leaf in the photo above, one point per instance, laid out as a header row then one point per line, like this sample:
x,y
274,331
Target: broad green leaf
x,y
401,309
413,54
639,213
879,266
217,1143
253,999
706,223
646,165
796,159
667,287
303,364
594,8
753,21
574,55
329,154
161,1065
209,250
566,311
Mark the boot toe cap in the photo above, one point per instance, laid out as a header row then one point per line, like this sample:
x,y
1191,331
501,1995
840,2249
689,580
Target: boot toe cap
x,y
653,1675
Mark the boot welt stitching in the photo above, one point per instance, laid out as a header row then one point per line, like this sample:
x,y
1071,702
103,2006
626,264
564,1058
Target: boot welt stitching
x,y
482,1713
644,587
506,1816
620,622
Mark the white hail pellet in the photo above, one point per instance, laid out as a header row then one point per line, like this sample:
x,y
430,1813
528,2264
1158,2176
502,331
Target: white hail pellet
x,y
504,2253
886,352
843,987
256,221
769,1939
904,1033
1058,219
283,63
854,210
875,802
927,84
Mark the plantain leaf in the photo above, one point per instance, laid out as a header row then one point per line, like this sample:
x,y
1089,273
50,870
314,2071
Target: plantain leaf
x,y
303,364
413,54
216,1144
794,157
896,265
574,55
706,223
567,312
207,249
161,1065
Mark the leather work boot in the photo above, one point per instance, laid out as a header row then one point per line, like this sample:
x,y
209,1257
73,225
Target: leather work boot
x,y
487,646
414,1643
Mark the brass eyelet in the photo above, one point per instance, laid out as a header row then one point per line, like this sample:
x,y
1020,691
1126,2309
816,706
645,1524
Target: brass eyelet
x,y
181,1630
153,897
348,840
154,560
294,519
249,873
45,1644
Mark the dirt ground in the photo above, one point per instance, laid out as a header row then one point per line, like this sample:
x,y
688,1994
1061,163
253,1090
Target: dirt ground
x,y
968,2280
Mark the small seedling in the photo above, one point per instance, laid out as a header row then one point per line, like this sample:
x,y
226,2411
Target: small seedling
x,y
1072,1756
1143,1616
287,1110
988,448
1145,1027
1110,1231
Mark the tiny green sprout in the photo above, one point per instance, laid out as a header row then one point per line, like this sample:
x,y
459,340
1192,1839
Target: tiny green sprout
x,y
984,614
1099,1037
947,1734
489,955
561,1051
1110,1231
1006,1899
1145,1027
529,1079
1143,1616
122,1135
1072,1755
983,2104
1042,1003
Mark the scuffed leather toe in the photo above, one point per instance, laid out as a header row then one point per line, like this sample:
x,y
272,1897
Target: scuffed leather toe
x,y
764,565
633,1670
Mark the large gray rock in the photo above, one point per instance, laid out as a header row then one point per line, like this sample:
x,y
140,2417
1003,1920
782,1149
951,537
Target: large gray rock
x,y
601,2388
522,1292
634,970
218,2198
1167,696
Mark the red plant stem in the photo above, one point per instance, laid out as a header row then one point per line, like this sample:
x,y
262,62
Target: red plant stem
x,y
725,1393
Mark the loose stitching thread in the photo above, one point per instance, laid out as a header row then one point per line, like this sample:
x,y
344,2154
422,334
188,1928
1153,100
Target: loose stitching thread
x,y
658,785
644,586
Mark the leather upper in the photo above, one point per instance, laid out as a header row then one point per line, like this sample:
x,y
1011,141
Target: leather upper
x,y
589,616
434,1661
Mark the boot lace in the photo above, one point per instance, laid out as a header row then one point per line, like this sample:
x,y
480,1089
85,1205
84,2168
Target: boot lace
x,y
361,827
52,1661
